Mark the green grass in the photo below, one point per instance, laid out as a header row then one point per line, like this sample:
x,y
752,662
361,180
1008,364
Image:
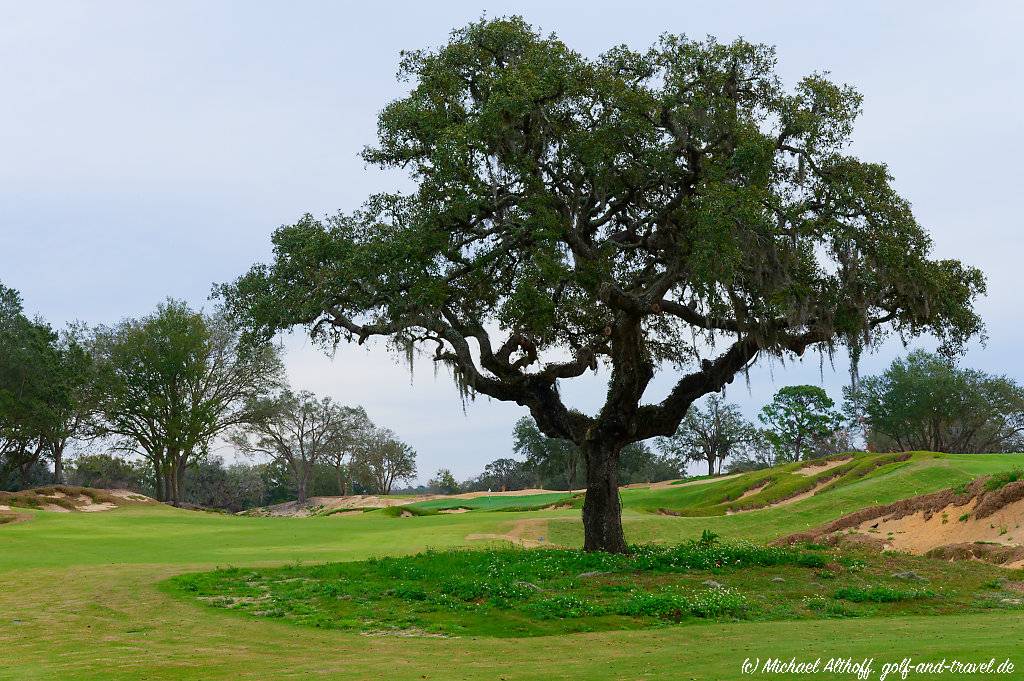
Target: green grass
x,y
772,485
80,595
923,473
885,594
518,593
1004,478
496,503
498,592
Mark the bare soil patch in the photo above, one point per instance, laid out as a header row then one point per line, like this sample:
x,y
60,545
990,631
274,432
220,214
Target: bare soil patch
x,y
68,499
527,533
815,468
781,502
752,491
691,483
970,524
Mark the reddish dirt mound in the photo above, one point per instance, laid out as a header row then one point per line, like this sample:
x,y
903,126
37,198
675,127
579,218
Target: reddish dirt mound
x,y
972,523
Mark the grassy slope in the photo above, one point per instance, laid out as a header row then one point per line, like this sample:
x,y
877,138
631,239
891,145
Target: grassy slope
x,y
495,503
78,598
921,474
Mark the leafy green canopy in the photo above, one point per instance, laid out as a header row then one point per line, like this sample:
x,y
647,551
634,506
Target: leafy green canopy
x,y
927,402
640,208
173,381
798,418
45,381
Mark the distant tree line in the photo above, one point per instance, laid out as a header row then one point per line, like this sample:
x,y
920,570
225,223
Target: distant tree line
x,y
155,394
160,391
212,483
922,402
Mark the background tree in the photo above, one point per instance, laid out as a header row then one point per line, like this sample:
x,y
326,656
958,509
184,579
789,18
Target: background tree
x,y
673,208
507,474
553,462
798,418
639,463
211,484
926,402
756,453
444,482
546,455
33,393
74,417
173,381
300,429
711,434
108,471
354,429
382,460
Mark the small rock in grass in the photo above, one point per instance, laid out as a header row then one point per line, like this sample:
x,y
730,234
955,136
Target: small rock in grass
x,y
778,579
711,584
1011,601
529,585
909,575
595,573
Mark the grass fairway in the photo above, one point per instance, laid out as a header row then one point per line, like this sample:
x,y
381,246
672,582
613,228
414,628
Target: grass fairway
x,y
80,597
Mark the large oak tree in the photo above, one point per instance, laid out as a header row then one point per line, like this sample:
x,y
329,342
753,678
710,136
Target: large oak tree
x,y
175,380
670,209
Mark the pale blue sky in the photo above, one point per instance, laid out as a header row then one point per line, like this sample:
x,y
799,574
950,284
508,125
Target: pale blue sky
x,y
148,149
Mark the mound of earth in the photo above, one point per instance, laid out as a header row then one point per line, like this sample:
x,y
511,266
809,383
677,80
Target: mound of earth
x,y
70,499
975,522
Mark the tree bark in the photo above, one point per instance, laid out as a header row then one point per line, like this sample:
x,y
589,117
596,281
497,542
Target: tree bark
x,y
602,513
341,480
58,464
158,483
175,479
302,482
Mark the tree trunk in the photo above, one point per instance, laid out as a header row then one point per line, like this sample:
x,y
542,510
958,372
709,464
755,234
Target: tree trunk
x,y
58,464
341,480
158,483
711,467
302,482
602,513
175,478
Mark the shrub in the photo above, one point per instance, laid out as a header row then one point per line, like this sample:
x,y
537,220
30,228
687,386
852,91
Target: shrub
x,y
562,607
674,605
1004,478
